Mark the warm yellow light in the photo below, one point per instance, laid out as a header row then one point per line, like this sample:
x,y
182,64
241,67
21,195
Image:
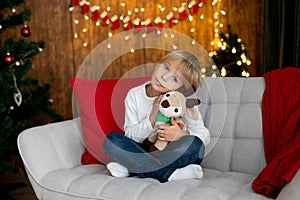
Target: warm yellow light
x,y
233,50
75,35
192,30
248,62
223,72
123,4
246,74
136,10
108,8
85,44
84,30
243,56
239,63
223,12
76,21
190,18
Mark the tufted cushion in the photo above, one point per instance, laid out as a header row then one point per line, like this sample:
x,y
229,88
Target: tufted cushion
x,y
232,112
92,181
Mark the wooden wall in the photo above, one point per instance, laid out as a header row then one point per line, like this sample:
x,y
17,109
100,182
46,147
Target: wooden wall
x,y
52,22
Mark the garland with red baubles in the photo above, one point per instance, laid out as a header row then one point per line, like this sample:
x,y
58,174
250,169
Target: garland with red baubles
x,y
127,23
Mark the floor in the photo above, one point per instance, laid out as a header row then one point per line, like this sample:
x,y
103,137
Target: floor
x,y
15,186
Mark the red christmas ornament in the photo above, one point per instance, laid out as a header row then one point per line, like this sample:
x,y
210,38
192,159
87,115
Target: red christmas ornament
x,y
149,25
25,31
158,23
115,23
137,25
95,13
9,58
84,6
127,23
170,18
193,6
74,3
105,19
182,13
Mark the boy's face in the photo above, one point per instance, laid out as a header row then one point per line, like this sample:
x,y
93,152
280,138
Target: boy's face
x,y
165,77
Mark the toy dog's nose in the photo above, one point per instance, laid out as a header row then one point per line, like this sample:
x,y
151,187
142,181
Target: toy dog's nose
x,y
165,104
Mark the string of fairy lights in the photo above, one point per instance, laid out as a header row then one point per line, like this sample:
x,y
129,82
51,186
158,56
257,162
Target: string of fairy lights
x,y
125,17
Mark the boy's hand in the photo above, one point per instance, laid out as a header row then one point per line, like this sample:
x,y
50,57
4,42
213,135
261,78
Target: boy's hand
x,y
155,109
171,133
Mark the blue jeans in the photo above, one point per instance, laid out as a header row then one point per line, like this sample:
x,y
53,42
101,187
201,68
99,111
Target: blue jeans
x,y
159,164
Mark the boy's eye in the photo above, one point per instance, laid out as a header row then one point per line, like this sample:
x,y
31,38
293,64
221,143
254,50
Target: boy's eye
x,y
175,79
166,67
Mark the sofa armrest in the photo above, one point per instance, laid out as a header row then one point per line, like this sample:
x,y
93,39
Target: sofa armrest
x,y
50,147
292,190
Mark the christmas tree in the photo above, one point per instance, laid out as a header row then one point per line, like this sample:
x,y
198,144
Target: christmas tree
x,y
24,102
231,56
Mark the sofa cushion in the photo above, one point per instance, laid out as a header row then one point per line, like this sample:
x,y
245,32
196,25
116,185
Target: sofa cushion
x,y
93,181
101,109
231,109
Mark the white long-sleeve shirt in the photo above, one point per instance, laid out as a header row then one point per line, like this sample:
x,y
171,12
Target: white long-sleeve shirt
x,y
138,107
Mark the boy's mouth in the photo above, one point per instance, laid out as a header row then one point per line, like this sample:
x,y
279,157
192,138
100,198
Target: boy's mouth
x,y
158,83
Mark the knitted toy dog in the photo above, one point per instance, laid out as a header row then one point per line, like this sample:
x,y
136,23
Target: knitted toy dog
x,y
172,105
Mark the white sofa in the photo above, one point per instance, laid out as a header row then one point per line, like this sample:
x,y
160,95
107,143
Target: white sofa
x,y
231,109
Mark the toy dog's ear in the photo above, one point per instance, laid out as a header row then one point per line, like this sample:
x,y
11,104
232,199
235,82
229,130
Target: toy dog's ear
x,y
190,103
191,111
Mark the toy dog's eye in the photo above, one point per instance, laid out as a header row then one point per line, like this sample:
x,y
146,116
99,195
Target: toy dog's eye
x,y
176,110
167,95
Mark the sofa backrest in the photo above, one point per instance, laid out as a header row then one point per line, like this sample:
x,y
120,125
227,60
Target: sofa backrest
x,y
231,110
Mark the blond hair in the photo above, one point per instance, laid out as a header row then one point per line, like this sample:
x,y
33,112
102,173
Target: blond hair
x,y
188,68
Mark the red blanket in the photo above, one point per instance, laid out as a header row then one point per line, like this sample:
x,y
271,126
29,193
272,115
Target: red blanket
x,y
281,131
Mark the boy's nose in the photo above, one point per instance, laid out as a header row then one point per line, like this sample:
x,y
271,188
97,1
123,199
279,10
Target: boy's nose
x,y
165,77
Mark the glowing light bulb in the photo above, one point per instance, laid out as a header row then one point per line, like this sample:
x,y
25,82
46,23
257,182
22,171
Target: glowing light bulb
x,y
233,50
223,72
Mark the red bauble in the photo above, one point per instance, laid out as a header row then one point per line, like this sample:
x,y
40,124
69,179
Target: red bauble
x,y
9,59
25,31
